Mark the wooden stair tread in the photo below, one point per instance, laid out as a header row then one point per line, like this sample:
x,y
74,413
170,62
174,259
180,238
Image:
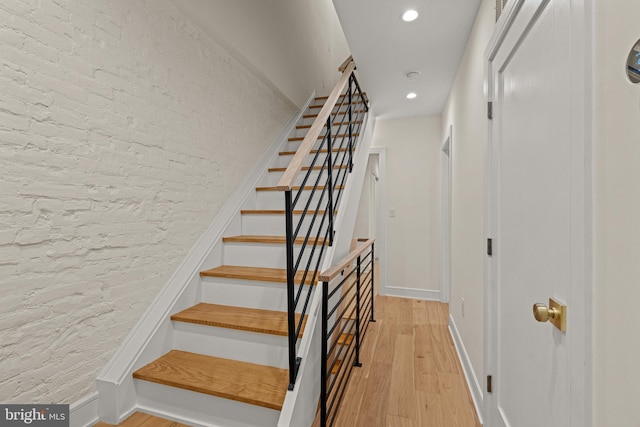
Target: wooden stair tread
x,y
340,135
324,98
335,368
334,124
140,419
297,187
306,168
273,212
322,105
345,339
255,273
241,318
230,379
333,150
249,238
341,113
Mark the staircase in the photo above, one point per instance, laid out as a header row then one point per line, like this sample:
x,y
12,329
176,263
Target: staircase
x,y
226,350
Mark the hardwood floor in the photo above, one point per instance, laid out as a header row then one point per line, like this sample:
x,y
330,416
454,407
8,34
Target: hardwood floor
x,y
411,375
140,419
260,385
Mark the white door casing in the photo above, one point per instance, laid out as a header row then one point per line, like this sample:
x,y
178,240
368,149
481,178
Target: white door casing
x,y
374,203
538,215
445,217
381,242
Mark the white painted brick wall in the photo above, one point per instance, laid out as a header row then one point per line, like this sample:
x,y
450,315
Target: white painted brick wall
x,y
123,129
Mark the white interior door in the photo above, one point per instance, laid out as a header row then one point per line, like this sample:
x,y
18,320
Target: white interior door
x,y
536,218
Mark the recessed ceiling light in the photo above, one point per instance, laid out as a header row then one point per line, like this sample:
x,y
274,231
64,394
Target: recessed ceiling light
x,y
411,95
410,15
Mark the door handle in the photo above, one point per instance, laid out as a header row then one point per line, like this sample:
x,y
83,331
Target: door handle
x,y
555,313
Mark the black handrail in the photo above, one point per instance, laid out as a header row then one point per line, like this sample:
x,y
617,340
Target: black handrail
x,y
319,209
344,306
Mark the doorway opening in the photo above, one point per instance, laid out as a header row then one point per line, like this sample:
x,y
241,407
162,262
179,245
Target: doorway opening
x,y
371,219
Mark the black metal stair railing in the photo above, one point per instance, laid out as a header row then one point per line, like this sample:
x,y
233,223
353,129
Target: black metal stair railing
x,y
347,309
310,206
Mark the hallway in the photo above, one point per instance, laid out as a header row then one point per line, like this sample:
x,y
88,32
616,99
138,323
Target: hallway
x,y
411,375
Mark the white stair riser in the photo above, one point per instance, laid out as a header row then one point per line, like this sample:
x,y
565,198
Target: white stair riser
x,y
341,105
275,224
247,293
246,346
283,160
317,107
335,117
275,199
267,255
274,177
294,145
202,408
338,157
336,129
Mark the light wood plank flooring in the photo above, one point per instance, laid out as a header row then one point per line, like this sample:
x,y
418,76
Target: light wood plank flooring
x,y
411,375
139,419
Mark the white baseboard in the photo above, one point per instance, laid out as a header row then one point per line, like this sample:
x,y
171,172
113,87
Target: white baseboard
x,y
84,412
469,373
423,294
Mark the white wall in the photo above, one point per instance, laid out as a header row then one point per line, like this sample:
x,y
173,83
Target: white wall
x,y
123,128
295,45
362,225
413,179
617,218
466,112
364,217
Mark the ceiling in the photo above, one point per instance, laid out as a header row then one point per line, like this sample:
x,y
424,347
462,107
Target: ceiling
x,y
385,48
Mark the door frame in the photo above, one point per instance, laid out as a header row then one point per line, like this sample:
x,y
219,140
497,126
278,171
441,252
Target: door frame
x,y
374,204
581,287
381,244
445,216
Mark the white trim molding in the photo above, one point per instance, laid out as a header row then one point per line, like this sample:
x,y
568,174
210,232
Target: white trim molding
x,y
445,215
421,294
467,368
381,244
84,412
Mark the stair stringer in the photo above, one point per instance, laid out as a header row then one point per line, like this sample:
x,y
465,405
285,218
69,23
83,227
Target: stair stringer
x,y
152,336
301,404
